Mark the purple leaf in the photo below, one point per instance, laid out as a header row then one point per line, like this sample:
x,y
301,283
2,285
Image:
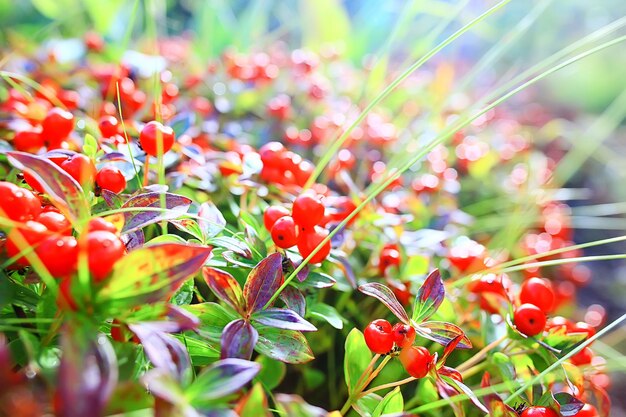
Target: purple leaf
x,y
464,389
287,346
211,220
113,200
238,340
443,333
87,374
289,266
429,297
63,190
134,240
294,300
446,391
153,273
225,287
387,297
164,351
176,206
263,281
223,378
282,318
183,318
568,404
164,386
345,266
294,405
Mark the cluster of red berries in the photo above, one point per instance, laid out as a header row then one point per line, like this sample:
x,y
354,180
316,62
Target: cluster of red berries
x,y
588,410
300,227
48,127
49,234
381,338
284,167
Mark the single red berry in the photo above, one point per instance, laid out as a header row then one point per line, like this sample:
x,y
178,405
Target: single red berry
x,y
104,249
285,233
28,141
59,255
29,234
271,154
99,224
529,319
416,360
539,292
490,287
389,257
17,203
109,126
153,133
111,178
588,410
55,222
32,182
81,168
272,214
307,210
309,240
57,125
403,335
379,336
536,411
583,357
582,327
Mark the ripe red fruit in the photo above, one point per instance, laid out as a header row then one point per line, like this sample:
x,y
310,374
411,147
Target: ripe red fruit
x,y
389,256
416,360
539,292
582,327
55,222
379,336
57,125
582,358
403,335
18,204
104,249
285,233
309,240
588,410
81,168
307,210
492,290
271,154
109,126
65,299
539,412
272,214
111,178
32,232
59,255
529,319
154,132
98,223
28,141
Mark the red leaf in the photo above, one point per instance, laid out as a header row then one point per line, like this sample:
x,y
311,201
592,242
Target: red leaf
x,y
429,297
387,297
263,281
225,287
449,349
176,206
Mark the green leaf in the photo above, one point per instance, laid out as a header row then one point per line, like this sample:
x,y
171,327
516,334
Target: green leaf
x,y
365,406
200,352
90,147
272,372
13,293
184,295
327,313
324,21
213,318
254,404
288,346
356,359
392,403
559,339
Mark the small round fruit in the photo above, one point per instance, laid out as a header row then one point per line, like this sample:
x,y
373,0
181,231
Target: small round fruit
x,y
588,410
529,319
57,125
81,168
55,222
109,126
17,203
152,133
379,336
403,335
539,292
285,233
309,240
28,141
307,210
111,178
582,358
389,257
104,249
98,223
272,214
582,327
29,234
416,360
536,411
59,255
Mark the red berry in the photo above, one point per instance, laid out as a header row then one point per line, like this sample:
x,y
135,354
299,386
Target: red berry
x,y
494,285
416,360
582,327
98,223
539,412
153,133
32,182
403,335
55,222
309,240
271,154
582,358
29,234
379,336
539,292
529,319
81,168
272,214
28,141
588,410
57,125
111,178
18,204
59,255
104,249
389,256
307,210
285,233
65,299
109,126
